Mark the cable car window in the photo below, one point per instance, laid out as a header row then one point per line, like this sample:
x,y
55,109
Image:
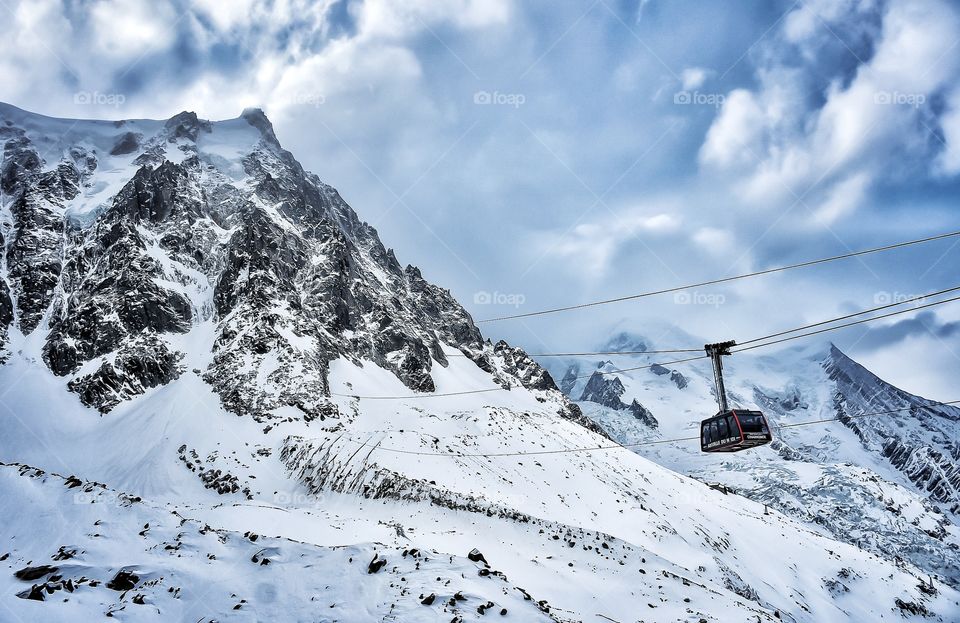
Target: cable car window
x,y
751,422
704,435
732,424
714,432
724,430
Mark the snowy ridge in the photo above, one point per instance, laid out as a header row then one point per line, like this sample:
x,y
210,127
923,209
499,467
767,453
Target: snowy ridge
x,y
206,350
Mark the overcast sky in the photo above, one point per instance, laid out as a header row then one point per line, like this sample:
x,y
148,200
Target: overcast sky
x,y
549,153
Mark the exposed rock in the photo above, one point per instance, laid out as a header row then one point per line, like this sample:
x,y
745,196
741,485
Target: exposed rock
x,y
127,142
607,391
28,574
376,564
139,365
476,556
123,581
676,377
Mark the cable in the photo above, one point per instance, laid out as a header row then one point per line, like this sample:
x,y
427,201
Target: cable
x,y
632,445
431,395
758,339
847,324
724,279
609,352
652,365
853,315
862,415
738,349
500,389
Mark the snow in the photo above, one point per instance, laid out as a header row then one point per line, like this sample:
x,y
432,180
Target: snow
x,y
641,510
194,497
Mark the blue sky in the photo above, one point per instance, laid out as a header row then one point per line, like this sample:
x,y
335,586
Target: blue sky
x,y
553,153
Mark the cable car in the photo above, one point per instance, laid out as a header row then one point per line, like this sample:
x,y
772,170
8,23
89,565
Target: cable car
x,y
730,430
734,430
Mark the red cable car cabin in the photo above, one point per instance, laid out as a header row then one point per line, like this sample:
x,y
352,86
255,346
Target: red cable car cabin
x,y
734,430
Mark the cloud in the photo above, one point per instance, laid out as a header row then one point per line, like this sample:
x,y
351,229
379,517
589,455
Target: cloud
x,y
787,142
843,198
125,29
714,240
591,247
398,19
948,163
641,6
692,78
919,354
925,324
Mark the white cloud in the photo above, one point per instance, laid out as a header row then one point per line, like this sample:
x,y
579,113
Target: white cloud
x,y
693,78
344,67
734,137
714,240
641,5
843,198
933,367
779,142
227,15
949,161
128,28
384,18
592,246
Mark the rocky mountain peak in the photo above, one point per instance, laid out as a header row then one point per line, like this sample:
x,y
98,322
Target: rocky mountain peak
x,y
624,341
186,125
211,231
258,119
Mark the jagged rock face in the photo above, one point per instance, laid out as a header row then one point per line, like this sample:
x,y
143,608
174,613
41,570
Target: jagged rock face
x,y
139,365
606,391
34,253
678,379
790,399
643,414
925,451
625,342
569,380
215,235
113,284
603,390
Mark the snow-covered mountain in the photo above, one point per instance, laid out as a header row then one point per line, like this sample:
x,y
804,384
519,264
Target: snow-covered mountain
x,y
888,483
224,399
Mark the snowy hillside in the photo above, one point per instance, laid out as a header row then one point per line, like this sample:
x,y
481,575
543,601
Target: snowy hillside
x,y
224,399
887,483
